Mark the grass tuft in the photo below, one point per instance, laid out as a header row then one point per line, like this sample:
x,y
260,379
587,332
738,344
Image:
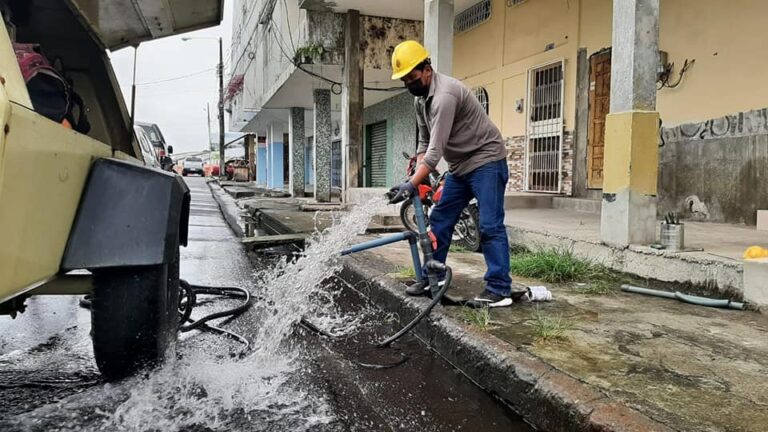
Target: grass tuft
x,y
457,249
478,318
550,329
551,265
405,273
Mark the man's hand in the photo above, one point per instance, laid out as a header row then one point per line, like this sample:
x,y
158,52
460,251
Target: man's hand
x,y
401,192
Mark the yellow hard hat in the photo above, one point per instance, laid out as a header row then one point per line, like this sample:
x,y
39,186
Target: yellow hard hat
x,y
755,252
406,56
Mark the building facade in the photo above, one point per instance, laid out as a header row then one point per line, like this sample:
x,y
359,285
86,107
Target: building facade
x,y
543,70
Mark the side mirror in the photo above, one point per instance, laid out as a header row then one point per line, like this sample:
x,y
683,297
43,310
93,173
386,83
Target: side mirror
x,y
170,149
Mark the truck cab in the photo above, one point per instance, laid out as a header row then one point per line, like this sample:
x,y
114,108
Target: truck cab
x,y
93,218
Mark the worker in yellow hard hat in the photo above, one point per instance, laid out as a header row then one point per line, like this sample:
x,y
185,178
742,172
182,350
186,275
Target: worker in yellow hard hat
x,y
454,126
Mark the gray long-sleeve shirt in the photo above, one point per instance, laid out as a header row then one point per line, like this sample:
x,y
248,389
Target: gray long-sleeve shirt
x,y
453,125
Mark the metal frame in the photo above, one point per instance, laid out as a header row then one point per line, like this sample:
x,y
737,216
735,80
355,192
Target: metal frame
x,y
558,124
472,16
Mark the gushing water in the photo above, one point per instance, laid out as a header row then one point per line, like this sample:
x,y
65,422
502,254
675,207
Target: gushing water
x,y
208,389
290,285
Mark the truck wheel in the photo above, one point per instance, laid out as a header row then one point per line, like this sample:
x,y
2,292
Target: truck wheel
x,y
134,317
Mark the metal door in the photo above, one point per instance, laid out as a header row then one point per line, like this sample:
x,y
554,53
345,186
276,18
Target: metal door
x,y
544,140
376,155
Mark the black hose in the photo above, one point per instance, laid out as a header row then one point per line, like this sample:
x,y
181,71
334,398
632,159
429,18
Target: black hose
x,y
190,294
386,342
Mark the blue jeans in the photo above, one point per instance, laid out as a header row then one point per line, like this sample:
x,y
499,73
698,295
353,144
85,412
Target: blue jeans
x,y
487,184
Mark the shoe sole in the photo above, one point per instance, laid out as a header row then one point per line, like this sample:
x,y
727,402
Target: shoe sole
x,y
477,303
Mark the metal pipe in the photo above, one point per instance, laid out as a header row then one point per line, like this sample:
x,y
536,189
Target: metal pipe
x,y
414,244
394,238
696,300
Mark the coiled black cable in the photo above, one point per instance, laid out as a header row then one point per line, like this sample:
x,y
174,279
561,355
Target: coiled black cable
x,y
189,299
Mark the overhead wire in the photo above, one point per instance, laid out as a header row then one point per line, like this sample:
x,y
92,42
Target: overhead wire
x,y
333,83
176,78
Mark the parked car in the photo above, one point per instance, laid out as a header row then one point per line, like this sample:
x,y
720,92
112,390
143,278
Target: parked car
x,y
192,165
107,224
148,151
155,137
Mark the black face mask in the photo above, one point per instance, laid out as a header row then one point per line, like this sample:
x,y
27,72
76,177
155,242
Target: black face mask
x,y
417,88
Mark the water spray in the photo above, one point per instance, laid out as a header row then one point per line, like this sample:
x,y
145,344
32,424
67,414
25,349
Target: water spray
x,y
433,268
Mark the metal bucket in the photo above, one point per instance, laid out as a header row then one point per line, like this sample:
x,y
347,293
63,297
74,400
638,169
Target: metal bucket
x,y
672,236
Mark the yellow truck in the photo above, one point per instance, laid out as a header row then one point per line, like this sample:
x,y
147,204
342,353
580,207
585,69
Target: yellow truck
x,y
80,213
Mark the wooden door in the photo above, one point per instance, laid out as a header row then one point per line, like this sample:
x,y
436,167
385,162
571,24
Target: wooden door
x,y
599,106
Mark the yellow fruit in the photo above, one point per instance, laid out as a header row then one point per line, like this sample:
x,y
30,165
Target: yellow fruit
x,y
753,252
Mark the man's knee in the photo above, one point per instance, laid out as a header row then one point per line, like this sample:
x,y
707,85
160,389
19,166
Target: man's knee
x,y
491,232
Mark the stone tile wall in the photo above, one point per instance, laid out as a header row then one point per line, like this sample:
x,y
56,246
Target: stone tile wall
x,y
516,162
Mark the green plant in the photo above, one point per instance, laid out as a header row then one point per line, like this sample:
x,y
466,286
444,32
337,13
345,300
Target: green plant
x,y
479,318
308,53
553,266
549,329
457,249
405,273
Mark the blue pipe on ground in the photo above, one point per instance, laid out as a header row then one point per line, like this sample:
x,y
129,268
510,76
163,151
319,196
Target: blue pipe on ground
x,y
696,300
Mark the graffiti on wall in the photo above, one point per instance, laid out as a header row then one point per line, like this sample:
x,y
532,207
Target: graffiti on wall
x,y
747,123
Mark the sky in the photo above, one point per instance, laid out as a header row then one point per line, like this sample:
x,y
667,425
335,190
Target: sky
x,y
178,106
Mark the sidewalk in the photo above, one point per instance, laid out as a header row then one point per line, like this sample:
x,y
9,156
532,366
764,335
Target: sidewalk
x,y
717,270
628,362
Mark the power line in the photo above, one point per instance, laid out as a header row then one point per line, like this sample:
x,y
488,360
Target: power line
x,y
176,78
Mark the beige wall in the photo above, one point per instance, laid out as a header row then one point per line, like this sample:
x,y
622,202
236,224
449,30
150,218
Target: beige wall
x,y
727,39
498,54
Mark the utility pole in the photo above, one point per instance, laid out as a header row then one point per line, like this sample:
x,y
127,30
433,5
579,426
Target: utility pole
x,y
221,110
208,114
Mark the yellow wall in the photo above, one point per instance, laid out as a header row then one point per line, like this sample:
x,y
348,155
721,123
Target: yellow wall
x,y
727,39
498,54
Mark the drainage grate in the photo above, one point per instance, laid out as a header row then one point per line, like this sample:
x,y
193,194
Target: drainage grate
x,y
472,17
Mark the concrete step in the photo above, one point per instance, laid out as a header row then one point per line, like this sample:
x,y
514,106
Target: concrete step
x,y
525,200
584,205
595,194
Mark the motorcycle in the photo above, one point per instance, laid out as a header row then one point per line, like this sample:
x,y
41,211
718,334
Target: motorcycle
x,y
467,231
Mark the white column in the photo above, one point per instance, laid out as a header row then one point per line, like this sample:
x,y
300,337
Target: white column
x,y
438,33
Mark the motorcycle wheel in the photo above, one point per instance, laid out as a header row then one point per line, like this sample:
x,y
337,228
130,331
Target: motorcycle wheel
x,y
408,216
468,229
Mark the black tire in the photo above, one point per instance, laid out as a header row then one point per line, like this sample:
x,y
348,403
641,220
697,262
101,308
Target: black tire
x,y
408,216
468,229
134,317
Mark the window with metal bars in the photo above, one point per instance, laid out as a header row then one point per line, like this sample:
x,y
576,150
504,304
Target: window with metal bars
x,y
472,17
511,3
482,96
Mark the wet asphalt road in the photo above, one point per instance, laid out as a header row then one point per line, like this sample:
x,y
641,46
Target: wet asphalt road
x,y
49,381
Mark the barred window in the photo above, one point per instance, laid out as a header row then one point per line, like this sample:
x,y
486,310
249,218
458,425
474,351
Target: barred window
x,y
472,17
482,96
514,2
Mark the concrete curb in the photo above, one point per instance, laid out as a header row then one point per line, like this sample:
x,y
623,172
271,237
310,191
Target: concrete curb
x,y
546,397
228,208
